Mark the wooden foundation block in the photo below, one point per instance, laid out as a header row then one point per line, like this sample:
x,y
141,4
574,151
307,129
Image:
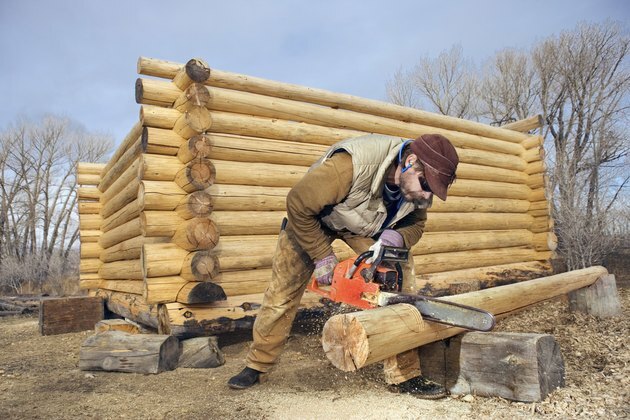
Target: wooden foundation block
x,y
599,299
516,366
122,352
402,367
71,314
201,352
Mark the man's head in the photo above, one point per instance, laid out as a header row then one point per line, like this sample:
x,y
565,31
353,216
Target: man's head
x,y
428,166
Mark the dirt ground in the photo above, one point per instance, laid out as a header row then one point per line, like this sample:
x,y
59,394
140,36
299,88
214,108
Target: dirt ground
x,y
39,378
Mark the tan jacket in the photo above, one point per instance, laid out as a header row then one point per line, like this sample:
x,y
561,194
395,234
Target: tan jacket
x,y
341,196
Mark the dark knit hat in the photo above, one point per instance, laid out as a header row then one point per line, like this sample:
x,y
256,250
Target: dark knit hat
x,y
439,158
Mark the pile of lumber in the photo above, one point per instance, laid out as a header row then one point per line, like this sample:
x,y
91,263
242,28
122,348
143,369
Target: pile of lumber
x,y
178,229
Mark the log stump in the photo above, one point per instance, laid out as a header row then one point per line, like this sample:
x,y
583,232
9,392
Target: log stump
x,y
599,299
516,366
201,352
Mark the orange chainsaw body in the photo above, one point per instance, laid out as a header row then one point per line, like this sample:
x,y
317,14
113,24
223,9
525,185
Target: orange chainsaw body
x,y
349,290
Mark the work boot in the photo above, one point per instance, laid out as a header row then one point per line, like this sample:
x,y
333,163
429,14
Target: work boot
x,y
421,388
247,378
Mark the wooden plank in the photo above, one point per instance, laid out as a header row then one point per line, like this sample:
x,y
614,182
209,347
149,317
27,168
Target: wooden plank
x,y
70,314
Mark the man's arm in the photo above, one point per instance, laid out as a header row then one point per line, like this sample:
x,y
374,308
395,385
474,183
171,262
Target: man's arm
x,y
411,227
325,185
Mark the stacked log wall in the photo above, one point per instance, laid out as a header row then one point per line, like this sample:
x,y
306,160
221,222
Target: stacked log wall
x,y
216,153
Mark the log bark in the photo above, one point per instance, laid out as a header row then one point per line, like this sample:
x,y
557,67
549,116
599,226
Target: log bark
x,y
122,270
89,207
160,260
355,340
130,306
472,279
516,366
121,352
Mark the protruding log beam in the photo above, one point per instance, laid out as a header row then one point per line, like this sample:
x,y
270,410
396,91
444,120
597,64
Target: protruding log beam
x,y
88,179
89,207
90,250
89,168
122,270
159,141
160,195
526,124
156,92
89,265
89,235
130,249
130,306
352,341
90,221
88,193
545,241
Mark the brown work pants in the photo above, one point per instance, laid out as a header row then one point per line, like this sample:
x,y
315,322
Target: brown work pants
x,y
292,268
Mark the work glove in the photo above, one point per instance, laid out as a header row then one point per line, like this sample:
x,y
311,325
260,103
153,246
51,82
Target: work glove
x,y
324,269
389,237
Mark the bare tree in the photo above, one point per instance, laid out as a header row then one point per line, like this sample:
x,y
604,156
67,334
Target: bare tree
x,y
584,88
509,89
447,84
38,197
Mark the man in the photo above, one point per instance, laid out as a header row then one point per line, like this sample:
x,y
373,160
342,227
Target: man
x,y
366,189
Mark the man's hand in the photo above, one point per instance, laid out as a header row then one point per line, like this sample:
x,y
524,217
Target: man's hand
x,y
389,237
324,269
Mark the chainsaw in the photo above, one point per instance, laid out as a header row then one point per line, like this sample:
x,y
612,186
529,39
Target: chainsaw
x,y
369,285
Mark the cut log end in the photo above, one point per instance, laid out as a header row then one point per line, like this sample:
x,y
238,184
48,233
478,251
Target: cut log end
x,y
139,91
203,292
198,70
205,266
344,328
197,234
196,204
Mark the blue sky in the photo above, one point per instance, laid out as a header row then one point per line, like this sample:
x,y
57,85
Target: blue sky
x,y
78,58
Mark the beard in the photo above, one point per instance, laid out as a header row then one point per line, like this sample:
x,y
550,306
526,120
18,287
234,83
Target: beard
x,y
410,197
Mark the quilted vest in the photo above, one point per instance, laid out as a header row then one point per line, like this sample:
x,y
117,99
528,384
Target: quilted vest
x,y
363,211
